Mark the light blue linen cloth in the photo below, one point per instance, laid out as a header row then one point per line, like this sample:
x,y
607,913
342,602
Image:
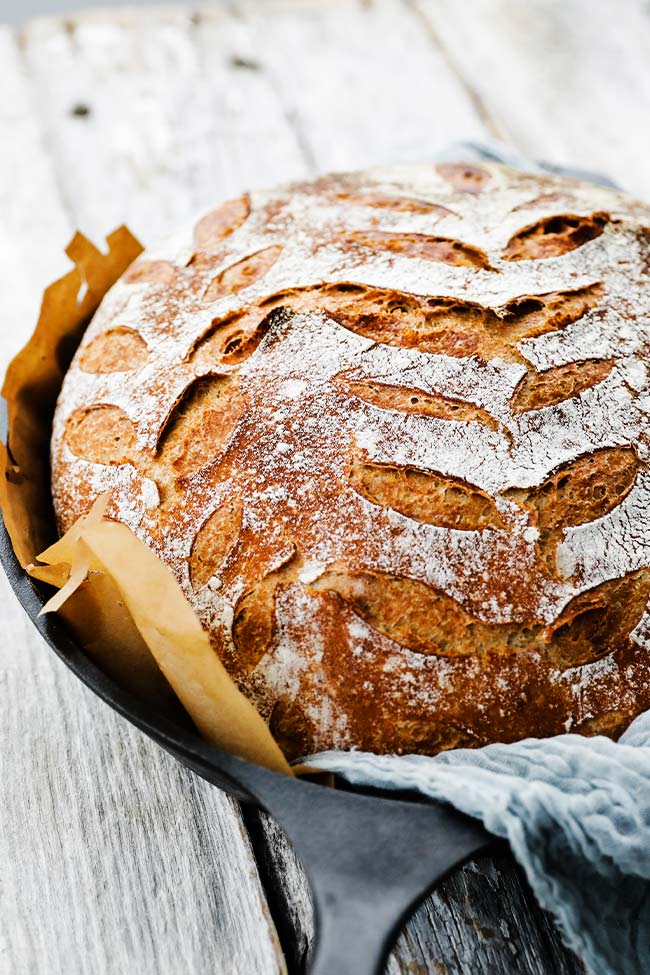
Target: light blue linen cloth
x,y
576,812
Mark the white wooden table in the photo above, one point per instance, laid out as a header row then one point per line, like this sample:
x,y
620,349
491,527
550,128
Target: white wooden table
x,y
116,861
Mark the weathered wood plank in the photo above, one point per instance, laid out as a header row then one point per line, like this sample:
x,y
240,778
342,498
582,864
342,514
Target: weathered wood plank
x,y
32,214
564,81
152,116
483,919
115,859
361,81
286,885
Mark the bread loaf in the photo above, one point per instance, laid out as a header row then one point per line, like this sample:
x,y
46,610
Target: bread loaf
x,y
390,431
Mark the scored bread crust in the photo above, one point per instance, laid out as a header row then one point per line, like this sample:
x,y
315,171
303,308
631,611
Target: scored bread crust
x,y
390,431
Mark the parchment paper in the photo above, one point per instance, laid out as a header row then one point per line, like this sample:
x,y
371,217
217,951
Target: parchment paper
x,y
121,602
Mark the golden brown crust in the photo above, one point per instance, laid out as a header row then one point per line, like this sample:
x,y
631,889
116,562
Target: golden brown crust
x,y
390,431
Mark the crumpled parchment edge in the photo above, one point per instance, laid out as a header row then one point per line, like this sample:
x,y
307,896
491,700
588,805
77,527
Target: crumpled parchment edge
x,y
121,602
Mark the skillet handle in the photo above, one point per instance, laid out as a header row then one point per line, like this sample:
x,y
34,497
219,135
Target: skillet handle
x,y
369,861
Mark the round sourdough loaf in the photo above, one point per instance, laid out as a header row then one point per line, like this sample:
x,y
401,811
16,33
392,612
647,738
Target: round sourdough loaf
x,y
390,431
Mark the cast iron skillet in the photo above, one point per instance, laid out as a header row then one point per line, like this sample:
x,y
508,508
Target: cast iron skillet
x,y
369,859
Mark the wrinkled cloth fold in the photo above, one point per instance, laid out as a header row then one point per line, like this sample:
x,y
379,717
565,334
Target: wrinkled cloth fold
x,y
576,813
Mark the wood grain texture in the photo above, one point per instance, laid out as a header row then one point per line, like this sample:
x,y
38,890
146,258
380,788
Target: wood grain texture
x,y
564,81
361,82
152,116
117,860
34,224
